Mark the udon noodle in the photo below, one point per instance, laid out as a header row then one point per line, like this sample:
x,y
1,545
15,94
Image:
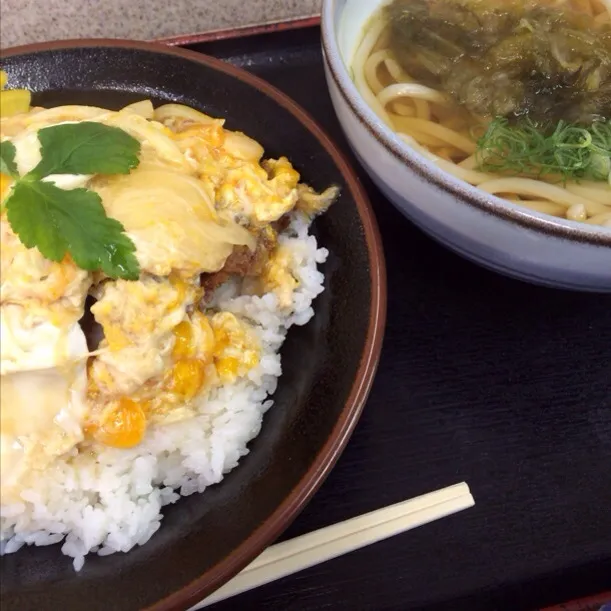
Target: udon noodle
x,y
443,131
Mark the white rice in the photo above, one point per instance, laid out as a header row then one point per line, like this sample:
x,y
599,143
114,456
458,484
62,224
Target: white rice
x,y
112,501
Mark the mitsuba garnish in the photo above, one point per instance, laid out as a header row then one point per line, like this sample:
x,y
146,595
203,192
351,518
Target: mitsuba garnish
x,y
73,222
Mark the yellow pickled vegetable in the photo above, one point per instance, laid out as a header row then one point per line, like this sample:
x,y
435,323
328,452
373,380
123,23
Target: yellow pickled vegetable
x,y
13,101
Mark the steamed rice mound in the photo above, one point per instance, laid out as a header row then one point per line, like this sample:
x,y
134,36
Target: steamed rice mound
x,y
111,501
122,393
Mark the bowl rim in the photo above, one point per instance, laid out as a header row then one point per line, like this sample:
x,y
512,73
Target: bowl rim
x,y
195,591
462,191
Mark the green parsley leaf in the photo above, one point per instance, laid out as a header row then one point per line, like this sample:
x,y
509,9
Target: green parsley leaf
x,y
7,159
85,148
57,221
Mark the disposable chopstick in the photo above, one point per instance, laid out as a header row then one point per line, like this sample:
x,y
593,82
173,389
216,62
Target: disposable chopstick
x,y
327,543
281,551
304,559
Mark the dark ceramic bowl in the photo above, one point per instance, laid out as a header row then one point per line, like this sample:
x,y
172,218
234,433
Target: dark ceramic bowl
x,y
328,364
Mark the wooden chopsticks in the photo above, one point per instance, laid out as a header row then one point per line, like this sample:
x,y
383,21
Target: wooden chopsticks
x,y
326,543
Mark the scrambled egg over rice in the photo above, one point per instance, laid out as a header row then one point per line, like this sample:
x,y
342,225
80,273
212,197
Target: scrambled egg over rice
x,y
201,207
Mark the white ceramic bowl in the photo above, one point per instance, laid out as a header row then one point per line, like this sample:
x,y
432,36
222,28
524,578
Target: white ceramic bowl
x,y
490,231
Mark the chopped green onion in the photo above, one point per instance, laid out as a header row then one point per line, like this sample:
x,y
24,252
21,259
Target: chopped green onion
x,y
530,149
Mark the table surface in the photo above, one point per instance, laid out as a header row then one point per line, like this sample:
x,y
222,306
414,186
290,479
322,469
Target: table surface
x,y
484,379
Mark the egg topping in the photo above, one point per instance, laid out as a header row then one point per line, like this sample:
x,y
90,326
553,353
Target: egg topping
x,y
200,194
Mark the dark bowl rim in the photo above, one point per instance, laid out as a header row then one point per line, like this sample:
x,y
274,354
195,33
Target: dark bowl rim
x,y
288,510
462,191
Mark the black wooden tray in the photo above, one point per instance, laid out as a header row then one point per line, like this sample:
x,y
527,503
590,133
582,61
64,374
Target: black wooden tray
x,y
483,379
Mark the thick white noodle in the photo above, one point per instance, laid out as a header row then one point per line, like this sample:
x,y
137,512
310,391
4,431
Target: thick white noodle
x,y
422,117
